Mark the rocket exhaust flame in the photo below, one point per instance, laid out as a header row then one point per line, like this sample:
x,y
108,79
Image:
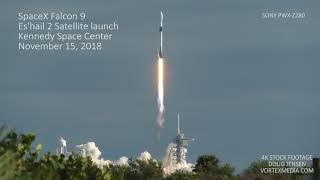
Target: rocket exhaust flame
x,y
160,119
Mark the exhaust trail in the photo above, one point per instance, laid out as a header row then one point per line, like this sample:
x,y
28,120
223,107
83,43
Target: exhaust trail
x,y
160,119
161,72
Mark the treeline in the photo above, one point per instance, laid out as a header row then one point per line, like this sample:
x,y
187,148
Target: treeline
x,y
20,160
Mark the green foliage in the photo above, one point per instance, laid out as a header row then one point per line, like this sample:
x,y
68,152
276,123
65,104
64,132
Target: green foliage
x,y
208,164
7,165
255,167
16,152
182,175
254,172
118,172
208,167
140,170
19,160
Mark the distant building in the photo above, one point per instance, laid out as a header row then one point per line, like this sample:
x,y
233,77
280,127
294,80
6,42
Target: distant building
x,y
62,147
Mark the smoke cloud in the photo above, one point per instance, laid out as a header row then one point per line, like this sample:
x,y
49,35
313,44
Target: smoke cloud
x,y
123,161
169,162
169,165
90,149
145,156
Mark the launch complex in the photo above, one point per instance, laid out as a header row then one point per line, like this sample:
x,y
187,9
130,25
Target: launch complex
x,y
180,143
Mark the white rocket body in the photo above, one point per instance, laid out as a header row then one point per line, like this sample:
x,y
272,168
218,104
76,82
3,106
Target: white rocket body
x,y
161,35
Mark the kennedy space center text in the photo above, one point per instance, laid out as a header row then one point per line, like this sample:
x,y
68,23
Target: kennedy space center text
x,y
56,31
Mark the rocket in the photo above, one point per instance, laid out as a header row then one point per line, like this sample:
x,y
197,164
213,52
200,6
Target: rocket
x,y
161,35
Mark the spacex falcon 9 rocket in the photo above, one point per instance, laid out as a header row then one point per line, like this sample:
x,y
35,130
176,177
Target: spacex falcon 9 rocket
x,y
161,35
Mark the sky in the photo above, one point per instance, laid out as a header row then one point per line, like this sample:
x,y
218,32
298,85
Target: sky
x,y
244,86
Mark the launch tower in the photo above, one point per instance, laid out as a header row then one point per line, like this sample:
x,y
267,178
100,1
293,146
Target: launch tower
x,y
181,144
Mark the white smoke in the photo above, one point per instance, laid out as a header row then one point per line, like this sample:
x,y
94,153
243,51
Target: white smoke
x,y
186,167
160,118
169,165
90,149
169,162
145,156
123,161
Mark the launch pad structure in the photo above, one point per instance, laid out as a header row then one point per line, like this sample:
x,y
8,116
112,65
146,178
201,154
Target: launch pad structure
x,y
181,144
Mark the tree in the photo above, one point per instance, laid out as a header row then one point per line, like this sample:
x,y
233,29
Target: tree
x,y
182,175
19,160
255,167
207,167
254,172
118,172
140,170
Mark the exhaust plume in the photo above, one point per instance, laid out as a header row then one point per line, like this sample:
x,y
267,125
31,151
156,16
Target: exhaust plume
x,y
160,119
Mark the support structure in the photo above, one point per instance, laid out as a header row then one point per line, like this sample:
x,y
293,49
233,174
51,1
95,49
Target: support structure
x,y
181,144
